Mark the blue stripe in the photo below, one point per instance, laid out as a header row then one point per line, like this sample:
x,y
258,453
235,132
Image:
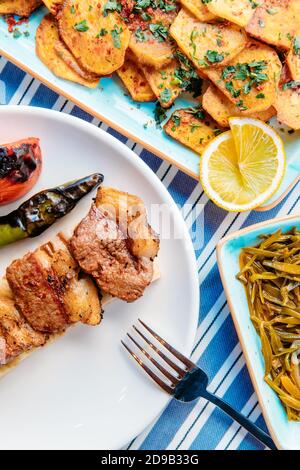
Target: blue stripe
x,y
12,77
44,97
225,340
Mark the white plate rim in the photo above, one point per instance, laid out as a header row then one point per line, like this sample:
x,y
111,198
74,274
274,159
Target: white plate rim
x,y
139,164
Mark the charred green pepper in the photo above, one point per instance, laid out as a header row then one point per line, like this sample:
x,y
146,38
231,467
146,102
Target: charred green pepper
x,y
39,212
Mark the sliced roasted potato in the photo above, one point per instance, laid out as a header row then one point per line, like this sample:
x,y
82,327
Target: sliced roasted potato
x,y
152,52
53,5
97,38
236,11
287,102
63,52
163,82
134,79
250,79
293,59
220,108
207,44
19,7
46,40
150,41
199,9
192,128
276,22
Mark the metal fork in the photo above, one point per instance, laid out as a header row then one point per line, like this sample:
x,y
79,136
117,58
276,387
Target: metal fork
x,y
187,382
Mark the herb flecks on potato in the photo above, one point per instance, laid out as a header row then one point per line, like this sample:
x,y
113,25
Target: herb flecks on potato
x,y
276,22
221,108
97,37
250,79
192,127
47,39
207,44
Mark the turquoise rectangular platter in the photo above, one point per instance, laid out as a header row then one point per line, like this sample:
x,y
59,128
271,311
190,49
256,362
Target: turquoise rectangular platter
x,y
286,434
111,104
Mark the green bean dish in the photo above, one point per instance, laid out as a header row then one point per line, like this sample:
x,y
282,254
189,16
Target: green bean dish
x,y
270,273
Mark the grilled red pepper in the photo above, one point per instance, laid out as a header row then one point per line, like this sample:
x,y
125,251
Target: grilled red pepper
x,y
20,167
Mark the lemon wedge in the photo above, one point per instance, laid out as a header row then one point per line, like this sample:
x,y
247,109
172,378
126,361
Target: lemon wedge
x,y
240,169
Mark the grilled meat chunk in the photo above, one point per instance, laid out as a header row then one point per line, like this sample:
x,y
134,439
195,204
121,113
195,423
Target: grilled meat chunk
x,y
78,291
130,214
49,292
37,293
16,335
101,249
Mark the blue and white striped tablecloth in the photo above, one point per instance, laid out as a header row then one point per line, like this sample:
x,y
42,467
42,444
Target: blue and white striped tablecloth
x,y
198,425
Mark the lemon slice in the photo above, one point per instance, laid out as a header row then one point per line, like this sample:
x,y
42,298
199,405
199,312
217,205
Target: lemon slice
x,y
240,169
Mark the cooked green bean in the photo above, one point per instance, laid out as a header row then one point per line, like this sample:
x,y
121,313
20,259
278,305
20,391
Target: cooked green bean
x,y
270,273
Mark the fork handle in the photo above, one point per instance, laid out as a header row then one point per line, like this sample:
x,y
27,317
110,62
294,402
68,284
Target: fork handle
x,y
241,419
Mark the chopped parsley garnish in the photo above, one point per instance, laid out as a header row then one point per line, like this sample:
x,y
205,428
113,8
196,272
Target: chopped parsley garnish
x,y
272,11
166,95
141,4
260,96
253,4
115,34
16,33
296,45
241,106
146,17
82,27
186,76
251,73
72,10
197,112
193,36
160,114
112,5
176,121
206,1
227,71
164,5
102,32
246,88
293,84
214,56
229,86
159,31
139,34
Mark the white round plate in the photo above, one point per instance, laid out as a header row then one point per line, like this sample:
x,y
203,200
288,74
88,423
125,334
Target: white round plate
x,y
83,391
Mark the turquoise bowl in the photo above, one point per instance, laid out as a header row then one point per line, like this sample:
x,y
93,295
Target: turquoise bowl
x,y
286,434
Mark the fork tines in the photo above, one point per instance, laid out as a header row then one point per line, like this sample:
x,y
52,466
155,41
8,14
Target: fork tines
x,y
175,368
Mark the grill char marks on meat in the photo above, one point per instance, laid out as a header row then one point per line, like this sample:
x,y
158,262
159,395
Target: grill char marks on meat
x,y
102,251
49,291
53,287
79,294
37,293
16,335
